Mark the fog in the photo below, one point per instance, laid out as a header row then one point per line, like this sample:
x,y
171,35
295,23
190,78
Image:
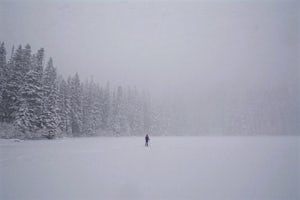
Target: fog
x,y
224,66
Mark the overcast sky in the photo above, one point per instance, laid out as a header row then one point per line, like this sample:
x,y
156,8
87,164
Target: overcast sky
x,y
162,45
223,66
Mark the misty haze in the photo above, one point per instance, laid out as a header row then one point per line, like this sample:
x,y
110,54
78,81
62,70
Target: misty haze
x,y
83,82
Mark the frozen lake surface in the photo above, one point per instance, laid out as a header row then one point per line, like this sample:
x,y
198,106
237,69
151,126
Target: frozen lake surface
x,y
209,168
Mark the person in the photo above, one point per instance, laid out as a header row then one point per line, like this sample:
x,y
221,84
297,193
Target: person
x,y
147,140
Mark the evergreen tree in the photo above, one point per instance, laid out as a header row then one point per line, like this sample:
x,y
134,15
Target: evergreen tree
x,y
92,108
31,98
119,122
50,108
146,112
87,109
6,95
27,59
137,117
3,79
106,108
37,63
40,62
97,107
15,81
2,65
76,105
64,107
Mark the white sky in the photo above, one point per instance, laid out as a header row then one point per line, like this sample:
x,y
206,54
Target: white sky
x,y
160,44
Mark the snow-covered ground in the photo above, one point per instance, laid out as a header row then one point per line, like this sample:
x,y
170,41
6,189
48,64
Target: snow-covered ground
x,y
233,168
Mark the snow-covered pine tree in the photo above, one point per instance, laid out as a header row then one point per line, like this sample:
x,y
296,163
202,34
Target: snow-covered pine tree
x,y
27,62
113,113
2,65
146,110
95,117
31,98
97,106
14,82
38,63
87,110
50,117
119,124
106,111
12,53
81,109
64,107
76,105
137,116
6,95
129,110
3,79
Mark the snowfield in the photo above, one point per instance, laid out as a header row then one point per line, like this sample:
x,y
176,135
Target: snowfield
x,y
208,168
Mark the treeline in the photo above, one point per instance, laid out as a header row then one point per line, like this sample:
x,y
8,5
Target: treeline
x,y
40,103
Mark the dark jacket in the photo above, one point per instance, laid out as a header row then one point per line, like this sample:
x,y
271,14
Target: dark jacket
x,y
147,138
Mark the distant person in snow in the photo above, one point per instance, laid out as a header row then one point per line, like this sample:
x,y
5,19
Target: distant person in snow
x,y
147,140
